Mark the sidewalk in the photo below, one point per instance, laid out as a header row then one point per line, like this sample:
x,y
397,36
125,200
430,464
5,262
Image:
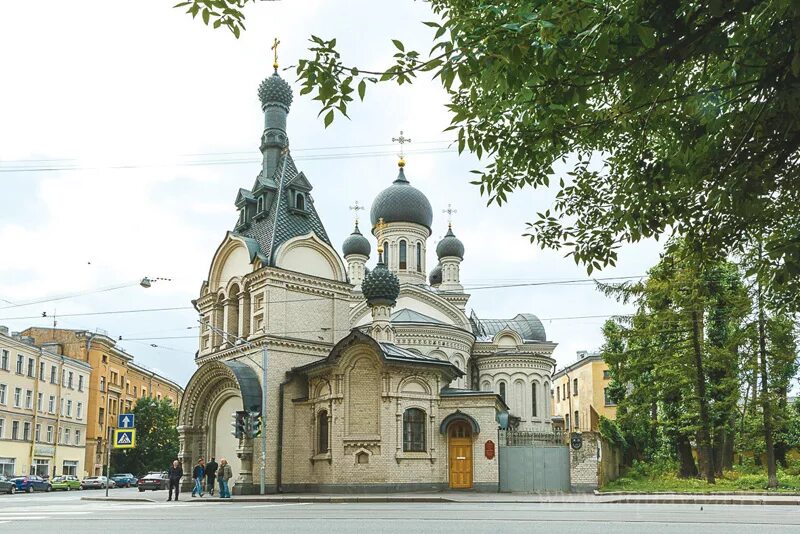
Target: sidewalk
x,y
483,498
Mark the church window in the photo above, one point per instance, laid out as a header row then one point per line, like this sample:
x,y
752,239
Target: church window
x,y
558,392
402,255
502,388
362,458
322,432
414,430
574,386
419,257
533,399
386,253
300,202
261,203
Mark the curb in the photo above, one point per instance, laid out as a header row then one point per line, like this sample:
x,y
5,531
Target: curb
x,y
704,494
118,499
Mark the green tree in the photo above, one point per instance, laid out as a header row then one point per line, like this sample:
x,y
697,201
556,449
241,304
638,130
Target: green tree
x,y
675,116
156,438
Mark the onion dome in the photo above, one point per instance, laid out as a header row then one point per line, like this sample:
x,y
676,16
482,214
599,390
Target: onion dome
x,y
381,286
356,243
402,202
435,278
275,90
450,245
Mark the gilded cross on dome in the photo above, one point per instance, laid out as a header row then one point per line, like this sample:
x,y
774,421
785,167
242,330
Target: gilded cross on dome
x,y
450,211
401,140
274,48
356,208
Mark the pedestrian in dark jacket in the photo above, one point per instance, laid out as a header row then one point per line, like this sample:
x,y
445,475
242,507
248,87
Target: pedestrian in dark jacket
x,y
198,474
174,474
211,475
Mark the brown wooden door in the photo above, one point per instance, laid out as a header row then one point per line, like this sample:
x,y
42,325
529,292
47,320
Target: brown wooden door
x,y
460,456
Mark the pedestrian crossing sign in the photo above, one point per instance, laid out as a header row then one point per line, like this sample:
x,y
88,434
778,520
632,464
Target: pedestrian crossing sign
x,y
124,438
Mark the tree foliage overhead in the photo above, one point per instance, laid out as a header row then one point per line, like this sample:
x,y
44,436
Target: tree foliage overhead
x,y
672,115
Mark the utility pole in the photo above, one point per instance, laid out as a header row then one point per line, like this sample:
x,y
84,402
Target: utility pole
x,y
108,457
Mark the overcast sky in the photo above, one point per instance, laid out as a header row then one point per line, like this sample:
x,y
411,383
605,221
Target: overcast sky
x,y
137,125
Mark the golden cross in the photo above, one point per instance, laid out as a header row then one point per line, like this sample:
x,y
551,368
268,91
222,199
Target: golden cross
x,y
450,211
379,226
356,208
401,140
274,48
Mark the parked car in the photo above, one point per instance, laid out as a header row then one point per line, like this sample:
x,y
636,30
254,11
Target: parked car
x,y
124,480
97,483
153,481
7,486
31,483
66,482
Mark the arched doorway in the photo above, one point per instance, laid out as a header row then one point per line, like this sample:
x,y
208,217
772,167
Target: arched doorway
x,y
222,443
459,445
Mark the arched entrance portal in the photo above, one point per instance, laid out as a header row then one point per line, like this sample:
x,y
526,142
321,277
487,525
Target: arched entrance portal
x,y
459,445
221,442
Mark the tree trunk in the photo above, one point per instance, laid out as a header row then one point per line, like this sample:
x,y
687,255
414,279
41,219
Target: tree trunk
x,y
772,476
703,434
687,469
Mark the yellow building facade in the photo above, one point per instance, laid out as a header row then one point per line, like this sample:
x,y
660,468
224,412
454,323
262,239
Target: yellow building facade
x,y
115,384
580,394
44,414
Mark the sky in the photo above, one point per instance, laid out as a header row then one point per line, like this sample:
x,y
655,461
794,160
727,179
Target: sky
x,y
126,130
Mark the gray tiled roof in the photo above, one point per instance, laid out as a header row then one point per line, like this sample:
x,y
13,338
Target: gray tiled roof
x,y
527,325
410,316
284,222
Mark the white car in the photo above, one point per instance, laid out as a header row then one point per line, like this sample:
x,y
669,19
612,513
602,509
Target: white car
x,y
100,482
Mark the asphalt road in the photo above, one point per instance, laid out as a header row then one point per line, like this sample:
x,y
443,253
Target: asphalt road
x,y
64,512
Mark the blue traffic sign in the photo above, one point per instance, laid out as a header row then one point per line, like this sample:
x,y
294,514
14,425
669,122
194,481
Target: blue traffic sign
x,y
126,420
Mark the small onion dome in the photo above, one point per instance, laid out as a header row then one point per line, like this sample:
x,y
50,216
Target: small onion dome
x,y
381,286
450,245
402,202
275,90
356,244
435,278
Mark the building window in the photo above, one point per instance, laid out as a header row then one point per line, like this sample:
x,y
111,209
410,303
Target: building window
x,y
80,382
69,408
20,363
606,374
502,387
419,257
104,358
101,416
51,404
414,430
79,410
574,386
134,391
386,253
558,392
3,393
40,402
402,255
7,467
607,398
15,430
70,467
31,367
576,421
53,374
17,397
260,204
300,202
566,422
2,428
41,371
28,399
533,399
66,436
322,432
4,361
77,437
102,383
69,379
26,431
49,433
38,433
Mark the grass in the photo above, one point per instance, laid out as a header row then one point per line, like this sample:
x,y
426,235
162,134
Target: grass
x,y
642,478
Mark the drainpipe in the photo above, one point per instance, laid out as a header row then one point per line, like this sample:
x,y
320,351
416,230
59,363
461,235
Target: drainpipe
x,y
279,452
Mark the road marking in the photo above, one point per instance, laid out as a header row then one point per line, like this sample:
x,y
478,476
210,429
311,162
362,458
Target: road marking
x,y
277,505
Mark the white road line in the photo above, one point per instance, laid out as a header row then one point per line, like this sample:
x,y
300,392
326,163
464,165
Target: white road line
x,y
277,505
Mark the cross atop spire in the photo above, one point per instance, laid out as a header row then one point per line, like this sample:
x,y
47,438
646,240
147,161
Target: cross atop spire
x,y
450,211
355,208
401,140
274,48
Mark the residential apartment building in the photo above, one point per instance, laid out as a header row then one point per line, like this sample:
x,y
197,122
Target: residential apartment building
x,y
44,403
114,386
580,393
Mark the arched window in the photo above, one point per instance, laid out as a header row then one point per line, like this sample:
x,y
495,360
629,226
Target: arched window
x,y
386,253
300,202
534,387
414,430
261,203
502,388
322,432
403,262
419,257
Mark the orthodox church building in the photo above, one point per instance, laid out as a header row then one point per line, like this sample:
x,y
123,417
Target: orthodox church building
x,y
377,377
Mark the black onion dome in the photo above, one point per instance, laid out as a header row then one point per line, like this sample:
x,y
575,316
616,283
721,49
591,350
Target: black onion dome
x,y
402,202
450,245
381,286
275,90
435,278
356,243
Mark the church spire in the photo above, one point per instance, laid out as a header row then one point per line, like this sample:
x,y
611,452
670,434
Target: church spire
x,y
276,98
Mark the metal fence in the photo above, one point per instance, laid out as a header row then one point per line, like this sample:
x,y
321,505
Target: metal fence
x,y
515,438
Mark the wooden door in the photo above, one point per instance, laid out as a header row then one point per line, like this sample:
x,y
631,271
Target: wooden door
x,y
460,455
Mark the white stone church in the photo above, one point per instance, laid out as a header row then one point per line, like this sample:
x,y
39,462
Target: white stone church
x,y
378,379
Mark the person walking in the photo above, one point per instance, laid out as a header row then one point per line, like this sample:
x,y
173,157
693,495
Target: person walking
x,y
175,473
211,475
224,475
198,474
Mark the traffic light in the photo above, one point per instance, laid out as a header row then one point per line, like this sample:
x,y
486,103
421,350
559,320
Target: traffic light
x,y
239,424
254,427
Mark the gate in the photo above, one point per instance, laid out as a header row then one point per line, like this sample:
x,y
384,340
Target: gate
x,y
533,462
